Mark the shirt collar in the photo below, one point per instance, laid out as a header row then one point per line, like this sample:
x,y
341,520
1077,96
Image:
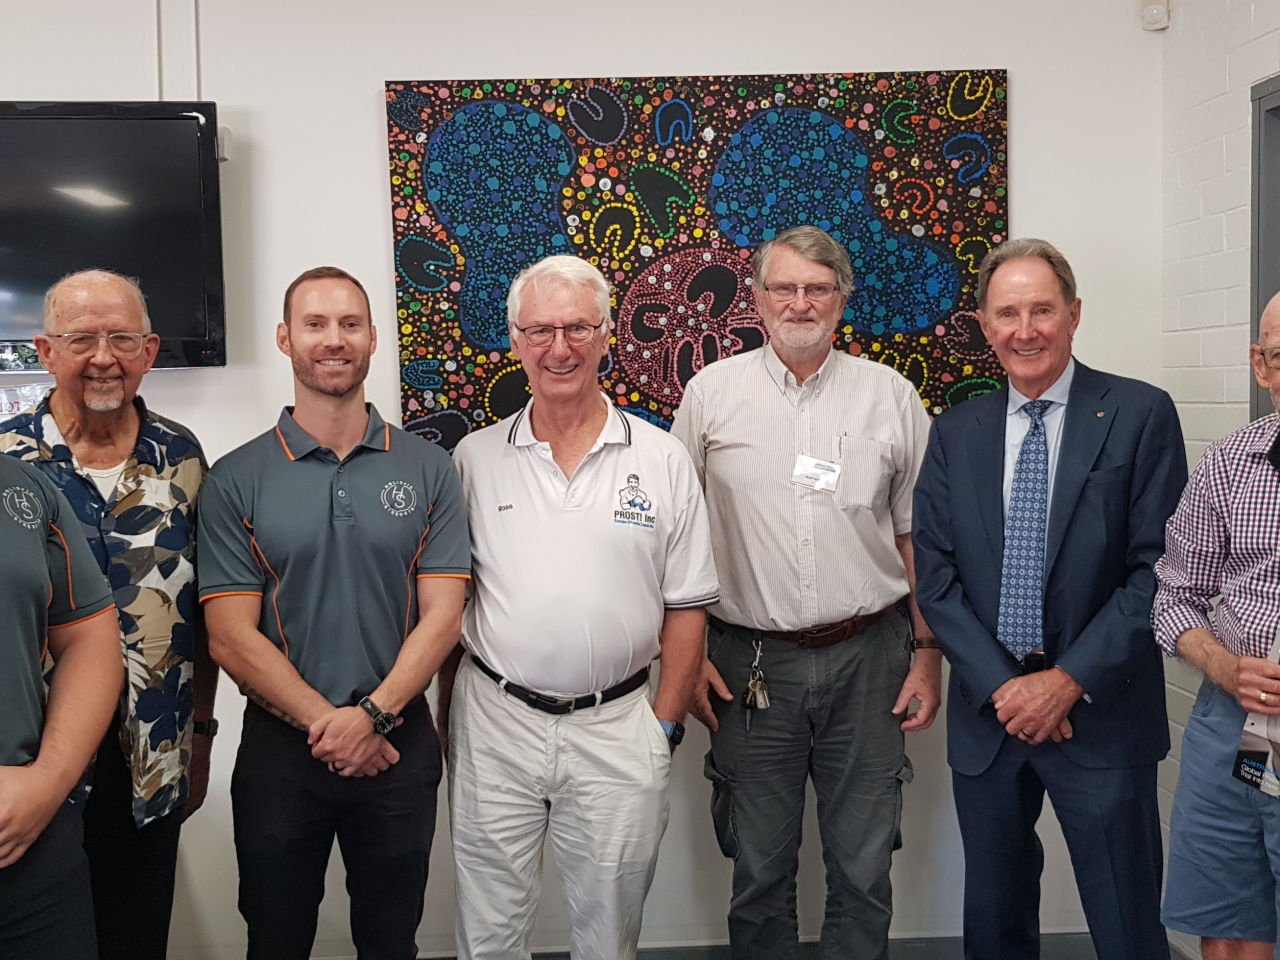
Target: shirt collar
x,y
49,438
616,428
297,443
1266,441
1058,393
784,378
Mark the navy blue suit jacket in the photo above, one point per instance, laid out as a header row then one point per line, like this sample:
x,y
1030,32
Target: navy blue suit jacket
x,y
1121,469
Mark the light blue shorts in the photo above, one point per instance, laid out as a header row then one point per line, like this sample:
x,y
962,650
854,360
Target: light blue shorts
x,y
1224,836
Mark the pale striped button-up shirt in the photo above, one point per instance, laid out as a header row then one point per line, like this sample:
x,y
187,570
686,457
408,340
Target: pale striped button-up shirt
x,y
791,557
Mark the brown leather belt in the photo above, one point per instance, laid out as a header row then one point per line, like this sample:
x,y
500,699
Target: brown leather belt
x,y
815,638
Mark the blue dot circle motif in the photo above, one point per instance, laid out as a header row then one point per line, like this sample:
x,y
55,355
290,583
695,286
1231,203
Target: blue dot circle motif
x,y
792,166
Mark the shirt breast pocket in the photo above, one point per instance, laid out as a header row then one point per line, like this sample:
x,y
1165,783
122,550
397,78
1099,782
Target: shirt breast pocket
x,y
864,472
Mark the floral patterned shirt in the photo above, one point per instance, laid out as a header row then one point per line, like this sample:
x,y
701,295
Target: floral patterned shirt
x,y
144,540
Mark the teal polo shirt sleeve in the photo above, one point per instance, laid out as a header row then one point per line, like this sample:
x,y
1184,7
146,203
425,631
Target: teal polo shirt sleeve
x,y
48,579
227,562
447,550
78,590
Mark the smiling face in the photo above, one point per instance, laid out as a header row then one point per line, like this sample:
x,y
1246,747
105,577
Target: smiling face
x,y
560,373
99,381
1029,323
328,336
799,328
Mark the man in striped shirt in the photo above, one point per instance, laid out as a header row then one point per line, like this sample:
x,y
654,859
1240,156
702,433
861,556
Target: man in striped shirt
x,y
808,458
1224,541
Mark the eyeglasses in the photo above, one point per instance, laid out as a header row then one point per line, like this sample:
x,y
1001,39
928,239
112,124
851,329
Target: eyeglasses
x,y
813,292
120,344
1271,357
577,334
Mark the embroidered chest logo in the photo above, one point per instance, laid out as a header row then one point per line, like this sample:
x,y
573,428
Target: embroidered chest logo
x,y
23,506
634,505
399,498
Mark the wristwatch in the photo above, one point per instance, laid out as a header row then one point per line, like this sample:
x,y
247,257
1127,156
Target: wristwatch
x,y
674,732
205,728
383,722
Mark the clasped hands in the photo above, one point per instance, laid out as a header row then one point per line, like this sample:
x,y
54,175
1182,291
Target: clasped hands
x,y
1034,707
29,799
344,740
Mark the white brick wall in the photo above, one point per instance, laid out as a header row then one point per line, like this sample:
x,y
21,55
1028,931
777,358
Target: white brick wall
x,y
1215,50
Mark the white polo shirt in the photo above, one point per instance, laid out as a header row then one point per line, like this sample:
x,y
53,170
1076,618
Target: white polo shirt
x,y
572,576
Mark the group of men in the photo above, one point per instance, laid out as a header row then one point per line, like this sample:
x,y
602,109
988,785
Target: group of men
x,y
796,555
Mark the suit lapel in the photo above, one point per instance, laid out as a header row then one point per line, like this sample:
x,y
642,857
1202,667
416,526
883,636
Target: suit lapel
x,y
986,448
1089,415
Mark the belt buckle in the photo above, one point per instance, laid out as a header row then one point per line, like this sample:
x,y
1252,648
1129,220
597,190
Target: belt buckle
x,y
821,636
559,703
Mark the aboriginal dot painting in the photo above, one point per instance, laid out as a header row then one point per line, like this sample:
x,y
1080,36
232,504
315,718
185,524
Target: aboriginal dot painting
x,y
668,184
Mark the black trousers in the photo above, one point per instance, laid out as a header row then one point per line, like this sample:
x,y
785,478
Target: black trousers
x,y
132,870
287,808
46,910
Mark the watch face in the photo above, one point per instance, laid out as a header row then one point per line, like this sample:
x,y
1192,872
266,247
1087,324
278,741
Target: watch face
x,y
384,723
677,734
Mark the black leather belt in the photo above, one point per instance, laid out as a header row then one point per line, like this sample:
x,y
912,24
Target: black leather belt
x,y
562,705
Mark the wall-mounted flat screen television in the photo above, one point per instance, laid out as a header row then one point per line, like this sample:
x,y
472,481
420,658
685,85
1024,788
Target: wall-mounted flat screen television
x,y
131,187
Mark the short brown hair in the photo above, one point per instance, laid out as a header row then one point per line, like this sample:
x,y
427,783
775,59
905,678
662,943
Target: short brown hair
x,y
324,273
1026,247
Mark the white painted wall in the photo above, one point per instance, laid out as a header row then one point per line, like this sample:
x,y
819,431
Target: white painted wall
x,y
1214,51
300,86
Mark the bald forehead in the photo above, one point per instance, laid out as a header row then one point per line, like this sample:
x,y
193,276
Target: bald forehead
x,y
94,294
1269,323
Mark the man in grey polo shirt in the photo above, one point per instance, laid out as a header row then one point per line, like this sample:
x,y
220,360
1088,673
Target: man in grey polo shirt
x,y
808,458
334,556
55,598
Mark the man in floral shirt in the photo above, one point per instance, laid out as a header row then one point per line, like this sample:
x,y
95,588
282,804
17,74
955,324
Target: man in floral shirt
x,y
132,478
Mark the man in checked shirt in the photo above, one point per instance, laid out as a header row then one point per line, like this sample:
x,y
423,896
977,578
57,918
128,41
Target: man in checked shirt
x,y
1224,539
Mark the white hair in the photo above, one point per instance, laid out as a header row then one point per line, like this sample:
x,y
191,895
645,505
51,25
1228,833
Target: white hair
x,y
94,276
559,269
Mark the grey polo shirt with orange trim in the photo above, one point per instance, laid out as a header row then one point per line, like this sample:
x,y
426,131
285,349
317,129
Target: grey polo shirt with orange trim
x,y
48,579
334,548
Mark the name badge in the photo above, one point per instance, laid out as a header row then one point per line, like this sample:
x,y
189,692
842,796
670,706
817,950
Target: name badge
x,y
815,474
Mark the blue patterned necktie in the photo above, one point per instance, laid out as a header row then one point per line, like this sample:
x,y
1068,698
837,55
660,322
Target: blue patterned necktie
x,y
1021,623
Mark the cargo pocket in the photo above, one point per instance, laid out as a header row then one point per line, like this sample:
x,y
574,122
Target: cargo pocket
x,y
906,774
722,809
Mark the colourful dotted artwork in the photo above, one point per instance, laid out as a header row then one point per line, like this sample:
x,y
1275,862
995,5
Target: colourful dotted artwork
x,y
668,184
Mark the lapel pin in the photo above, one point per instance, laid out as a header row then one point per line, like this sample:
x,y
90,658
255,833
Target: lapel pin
x,y
1101,414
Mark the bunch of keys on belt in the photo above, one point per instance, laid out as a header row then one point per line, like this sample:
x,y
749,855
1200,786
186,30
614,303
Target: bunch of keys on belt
x,y
756,696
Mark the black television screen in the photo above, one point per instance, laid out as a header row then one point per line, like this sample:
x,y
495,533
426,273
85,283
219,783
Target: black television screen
x,y
130,187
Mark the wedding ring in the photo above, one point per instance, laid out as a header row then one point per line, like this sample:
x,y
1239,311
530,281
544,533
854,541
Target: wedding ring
x,y
1262,696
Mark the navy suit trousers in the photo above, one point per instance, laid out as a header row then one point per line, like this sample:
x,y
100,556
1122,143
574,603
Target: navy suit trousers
x,y
1112,828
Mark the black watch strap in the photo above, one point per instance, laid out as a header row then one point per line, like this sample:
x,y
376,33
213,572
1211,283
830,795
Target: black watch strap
x,y
383,722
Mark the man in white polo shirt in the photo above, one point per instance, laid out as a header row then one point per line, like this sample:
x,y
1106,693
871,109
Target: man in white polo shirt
x,y
591,558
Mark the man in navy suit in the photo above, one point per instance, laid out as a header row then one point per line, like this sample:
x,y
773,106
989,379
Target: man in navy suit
x,y
1039,514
